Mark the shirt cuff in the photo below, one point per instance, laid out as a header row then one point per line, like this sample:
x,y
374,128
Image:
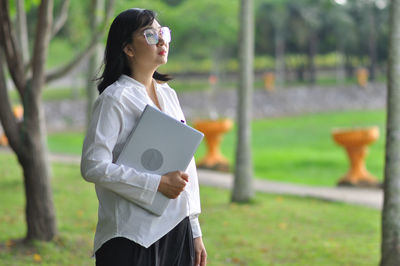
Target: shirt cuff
x,y
194,223
151,188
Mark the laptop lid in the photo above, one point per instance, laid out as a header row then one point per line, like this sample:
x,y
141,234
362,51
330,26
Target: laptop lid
x,y
159,144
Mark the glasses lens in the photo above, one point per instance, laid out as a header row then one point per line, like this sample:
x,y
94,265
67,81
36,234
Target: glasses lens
x,y
151,36
166,34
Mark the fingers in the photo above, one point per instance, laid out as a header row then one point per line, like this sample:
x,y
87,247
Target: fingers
x,y
185,176
173,184
200,252
198,258
203,258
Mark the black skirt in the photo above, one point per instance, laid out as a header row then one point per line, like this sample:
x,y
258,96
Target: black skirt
x,y
176,248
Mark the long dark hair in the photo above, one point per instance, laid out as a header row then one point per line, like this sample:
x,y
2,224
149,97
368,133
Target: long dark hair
x,y
119,35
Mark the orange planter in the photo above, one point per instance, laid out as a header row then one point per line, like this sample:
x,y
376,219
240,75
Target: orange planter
x,y
18,113
269,81
213,131
362,76
355,142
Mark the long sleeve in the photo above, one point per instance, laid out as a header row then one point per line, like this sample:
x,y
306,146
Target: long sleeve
x,y
97,156
194,222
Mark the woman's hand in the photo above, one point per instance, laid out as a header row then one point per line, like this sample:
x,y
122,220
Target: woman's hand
x,y
173,183
200,251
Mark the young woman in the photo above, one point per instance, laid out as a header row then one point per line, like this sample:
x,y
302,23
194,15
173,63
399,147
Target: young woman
x,y
127,234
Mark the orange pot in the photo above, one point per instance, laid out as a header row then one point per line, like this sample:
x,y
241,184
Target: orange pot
x,y
213,132
355,142
362,77
18,113
269,81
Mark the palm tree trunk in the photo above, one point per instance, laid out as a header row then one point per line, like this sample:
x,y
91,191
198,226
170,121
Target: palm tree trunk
x,y
242,188
390,247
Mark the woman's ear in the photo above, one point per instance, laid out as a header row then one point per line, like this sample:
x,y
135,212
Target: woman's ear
x,y
128,50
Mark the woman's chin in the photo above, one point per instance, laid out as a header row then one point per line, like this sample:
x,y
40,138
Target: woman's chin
x,y
163,61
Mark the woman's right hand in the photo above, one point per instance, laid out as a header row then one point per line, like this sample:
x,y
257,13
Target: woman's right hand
x,y
173,183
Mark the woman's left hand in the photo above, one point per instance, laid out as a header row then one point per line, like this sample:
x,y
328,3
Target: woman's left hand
x,y
200,251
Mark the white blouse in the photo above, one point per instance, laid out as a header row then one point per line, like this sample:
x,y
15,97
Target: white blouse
x,y
115,113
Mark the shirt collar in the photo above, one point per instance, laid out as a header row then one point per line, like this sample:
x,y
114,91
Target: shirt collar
x,y
126,78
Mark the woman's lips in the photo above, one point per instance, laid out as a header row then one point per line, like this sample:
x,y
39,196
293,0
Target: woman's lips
x,y
162,53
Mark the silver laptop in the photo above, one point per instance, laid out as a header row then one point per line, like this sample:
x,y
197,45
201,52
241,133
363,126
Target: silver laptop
x,y
159,144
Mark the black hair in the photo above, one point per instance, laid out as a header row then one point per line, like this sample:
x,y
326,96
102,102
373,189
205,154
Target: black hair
x,y
119,35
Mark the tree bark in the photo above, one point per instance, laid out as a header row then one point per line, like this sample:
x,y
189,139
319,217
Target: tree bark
x,y
243,187
390,247
22,30
40,214
13,57
28,137
94,62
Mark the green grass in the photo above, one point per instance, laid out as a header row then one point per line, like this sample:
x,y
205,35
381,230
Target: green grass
x,y
273,230
296,149
66,142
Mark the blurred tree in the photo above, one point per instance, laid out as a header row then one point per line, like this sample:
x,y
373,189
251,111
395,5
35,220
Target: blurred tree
x,y
22,30
173,2
272,19
200,29
27,138
339,29
243,181
95,17
308,16
285,28
390,246
369,16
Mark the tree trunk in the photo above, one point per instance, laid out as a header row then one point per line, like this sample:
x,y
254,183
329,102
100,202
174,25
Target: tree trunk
x,y
243,189
40,214
390,248
279,58
22,30
372,41
28,138
312,51
94,62
349,68
280,17
340,65
39,207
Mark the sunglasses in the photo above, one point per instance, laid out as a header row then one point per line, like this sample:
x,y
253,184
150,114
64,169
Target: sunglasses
x,y
153,37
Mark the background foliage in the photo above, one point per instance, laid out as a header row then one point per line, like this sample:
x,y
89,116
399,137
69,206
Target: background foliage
x,y
205,32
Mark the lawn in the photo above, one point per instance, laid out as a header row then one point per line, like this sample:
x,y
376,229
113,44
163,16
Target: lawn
x,y
273,230
296,149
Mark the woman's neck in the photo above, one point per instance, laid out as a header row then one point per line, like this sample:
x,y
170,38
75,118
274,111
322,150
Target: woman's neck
x,y
146,78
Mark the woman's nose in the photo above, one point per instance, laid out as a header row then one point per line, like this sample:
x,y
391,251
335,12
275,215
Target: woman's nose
x,y
160,41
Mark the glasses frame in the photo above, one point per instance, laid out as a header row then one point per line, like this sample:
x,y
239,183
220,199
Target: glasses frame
x,y
163,33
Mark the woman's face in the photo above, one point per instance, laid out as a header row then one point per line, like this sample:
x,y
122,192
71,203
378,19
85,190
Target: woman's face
x,y
145,55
